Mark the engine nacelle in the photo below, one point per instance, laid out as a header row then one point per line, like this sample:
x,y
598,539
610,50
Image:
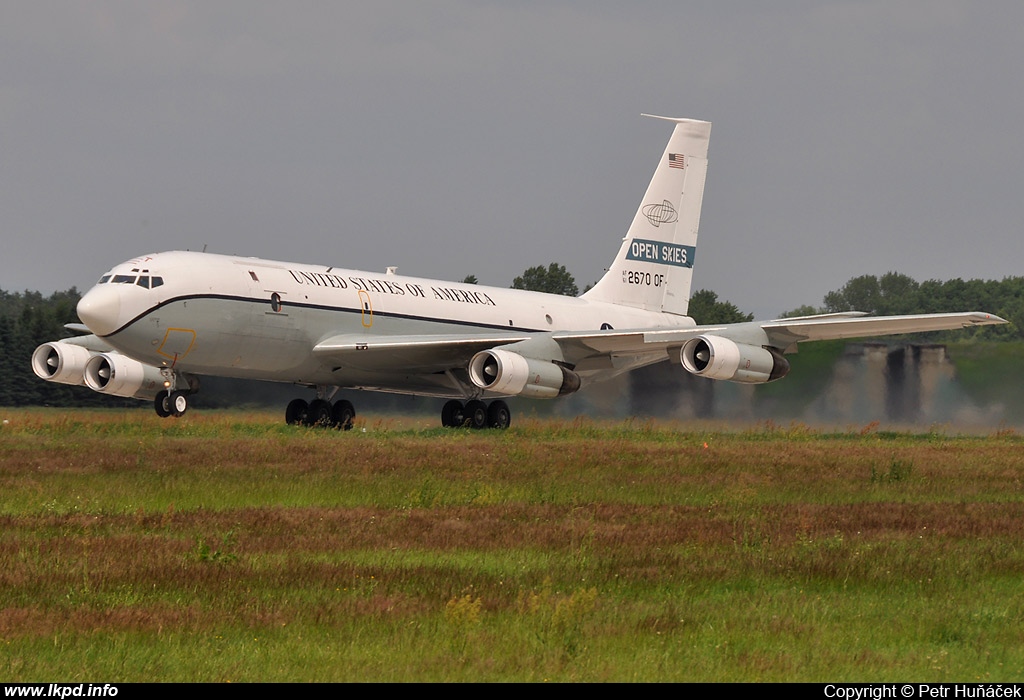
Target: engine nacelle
x,y
60,362
720,358
510,374
113,373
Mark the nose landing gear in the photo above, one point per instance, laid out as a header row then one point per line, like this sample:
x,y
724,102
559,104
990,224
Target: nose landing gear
x,y
174,401
171,403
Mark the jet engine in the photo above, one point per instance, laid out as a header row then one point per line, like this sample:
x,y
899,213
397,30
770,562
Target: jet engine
x,y
60,362
113,373
720,358
510,374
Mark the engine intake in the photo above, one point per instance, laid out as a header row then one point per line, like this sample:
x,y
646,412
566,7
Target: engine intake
x,y
113,373
720,358
60,362
510,374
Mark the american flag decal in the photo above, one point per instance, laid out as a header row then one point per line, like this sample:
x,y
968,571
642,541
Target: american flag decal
x,y
676,160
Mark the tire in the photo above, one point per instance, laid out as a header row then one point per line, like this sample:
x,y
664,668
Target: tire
x,y
162,404
342,414
296,412
453,415
319,414
179,403
498,415
476,415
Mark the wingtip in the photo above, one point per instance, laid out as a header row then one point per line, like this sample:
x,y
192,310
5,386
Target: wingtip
x,y
986,319
677,120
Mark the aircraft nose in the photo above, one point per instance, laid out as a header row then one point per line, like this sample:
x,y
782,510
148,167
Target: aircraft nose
x,y
100,309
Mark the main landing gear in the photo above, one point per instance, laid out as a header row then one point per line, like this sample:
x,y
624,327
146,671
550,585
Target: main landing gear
x,y
476,414
320,413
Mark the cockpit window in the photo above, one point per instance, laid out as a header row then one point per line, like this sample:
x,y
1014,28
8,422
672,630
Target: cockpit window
x,y
144,281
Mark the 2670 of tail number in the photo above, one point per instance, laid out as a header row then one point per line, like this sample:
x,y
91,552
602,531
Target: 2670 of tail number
x,y
644,278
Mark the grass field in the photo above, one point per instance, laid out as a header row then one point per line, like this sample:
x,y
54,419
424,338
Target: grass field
x,y
228,547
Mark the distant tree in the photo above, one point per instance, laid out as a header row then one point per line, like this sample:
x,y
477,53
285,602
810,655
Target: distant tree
x,y
859,294
554,279
705,309
896,293
805,310
9,357
470,279
26,321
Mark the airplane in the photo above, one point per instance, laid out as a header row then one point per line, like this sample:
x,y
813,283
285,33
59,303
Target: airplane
x,y
154,324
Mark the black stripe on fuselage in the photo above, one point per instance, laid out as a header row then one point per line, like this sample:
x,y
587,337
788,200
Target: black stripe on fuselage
x,y
321,307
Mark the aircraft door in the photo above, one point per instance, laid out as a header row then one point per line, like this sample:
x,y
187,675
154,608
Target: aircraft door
x,y
276,316
366,307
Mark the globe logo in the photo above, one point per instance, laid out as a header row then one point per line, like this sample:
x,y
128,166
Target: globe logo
x,y
659,214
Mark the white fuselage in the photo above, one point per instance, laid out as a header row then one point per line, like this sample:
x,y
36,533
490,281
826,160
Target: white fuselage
x,y
259,319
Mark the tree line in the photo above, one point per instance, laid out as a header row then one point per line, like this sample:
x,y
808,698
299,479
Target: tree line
x,y
29,319
897,294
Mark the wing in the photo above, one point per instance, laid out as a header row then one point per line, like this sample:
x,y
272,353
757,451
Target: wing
x,y
599,349
782,334
586,351
410,353
742,352
514,362
785,333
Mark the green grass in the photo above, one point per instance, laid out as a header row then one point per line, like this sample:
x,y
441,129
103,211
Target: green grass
x,y
227,547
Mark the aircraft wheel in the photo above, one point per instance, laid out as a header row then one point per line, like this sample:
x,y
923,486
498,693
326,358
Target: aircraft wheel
x,y
162,404
319,414
476,414
498,415
178,403
296,412
453,415
342,414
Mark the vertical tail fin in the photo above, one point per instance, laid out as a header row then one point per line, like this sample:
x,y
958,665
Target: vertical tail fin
x,y
654,267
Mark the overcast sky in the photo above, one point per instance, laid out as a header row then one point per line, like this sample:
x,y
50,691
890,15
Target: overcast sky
x,y
454,138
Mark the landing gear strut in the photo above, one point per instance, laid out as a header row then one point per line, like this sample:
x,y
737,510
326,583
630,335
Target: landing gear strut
x,y
476,414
